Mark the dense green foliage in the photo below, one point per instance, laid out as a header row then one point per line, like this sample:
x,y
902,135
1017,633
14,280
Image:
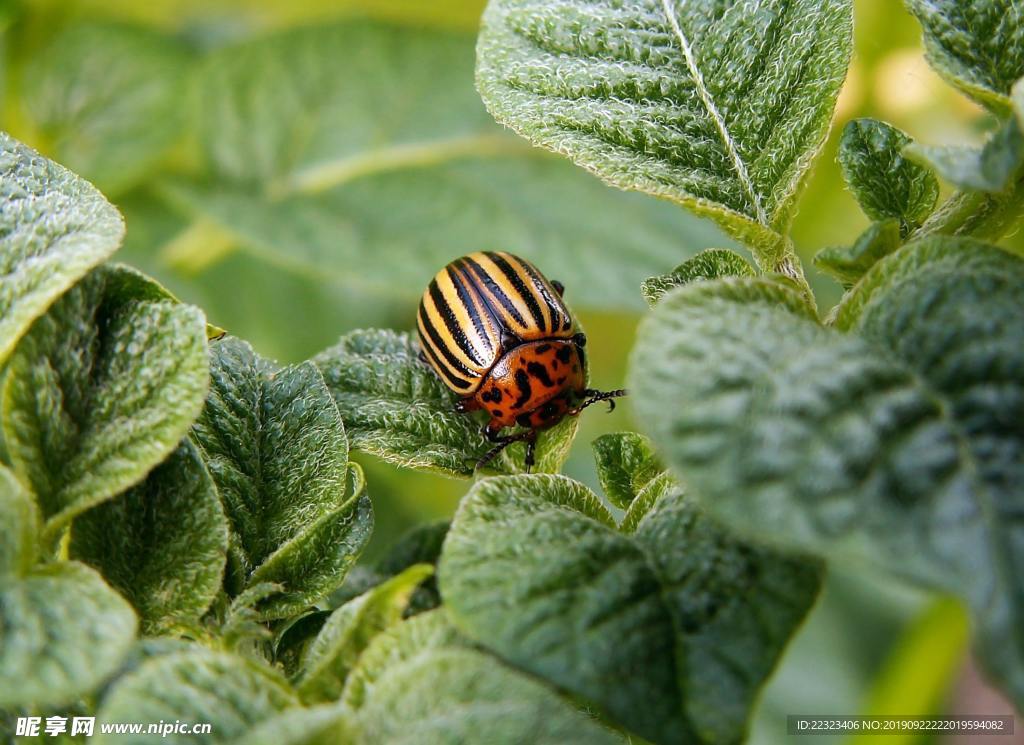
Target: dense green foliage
x,y
185,524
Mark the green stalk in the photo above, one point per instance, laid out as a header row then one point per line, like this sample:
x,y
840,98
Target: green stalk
x,y
977,214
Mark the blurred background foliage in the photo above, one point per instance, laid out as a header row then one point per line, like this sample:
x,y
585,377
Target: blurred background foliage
x,y
301,169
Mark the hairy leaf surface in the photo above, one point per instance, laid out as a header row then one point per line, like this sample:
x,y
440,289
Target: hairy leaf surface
x,y
302,173
885,183
100,391
54,228
717,106
349,630
535,569
420,545
396,407
425,687
899,446
950,309
978,45
276,447
161,544
62,631
105,119
710,263
19,526
849,263
327,724
626,463
231,693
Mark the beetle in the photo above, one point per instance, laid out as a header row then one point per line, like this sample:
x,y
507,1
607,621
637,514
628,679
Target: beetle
x,y
499,335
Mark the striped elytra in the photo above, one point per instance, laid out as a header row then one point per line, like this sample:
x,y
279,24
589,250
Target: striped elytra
x,y
475,302
499,335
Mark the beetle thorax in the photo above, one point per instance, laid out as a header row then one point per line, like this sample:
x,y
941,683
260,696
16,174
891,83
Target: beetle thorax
x,y
537,379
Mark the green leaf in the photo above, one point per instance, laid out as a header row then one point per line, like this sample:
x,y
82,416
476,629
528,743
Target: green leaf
x,y
885,183
420,545
992,168
62,632
54,228
394,406
424,688
100,391
276,447
949,309
734,619
397,645
719,109
626,464
350,629
302,173
112,122
711,263
317,725
849,263
975,44
535,569
19,526
127,281
900,446
661,485
231,693
162,543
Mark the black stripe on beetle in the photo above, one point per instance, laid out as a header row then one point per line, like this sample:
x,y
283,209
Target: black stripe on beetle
x,y
526,293
444,371
467,302
496,292
456,333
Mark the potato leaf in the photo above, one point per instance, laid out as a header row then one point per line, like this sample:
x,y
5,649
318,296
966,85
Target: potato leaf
x,y
898,444
978,45
101,390
110,121
885,183
535,569
231,693
710,263
62,632
412,679
161,544
349,630
396,407
54,228
719,107
302,173
276,447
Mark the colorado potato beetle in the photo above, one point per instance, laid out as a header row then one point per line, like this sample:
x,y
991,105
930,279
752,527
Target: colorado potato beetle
x,y
499,335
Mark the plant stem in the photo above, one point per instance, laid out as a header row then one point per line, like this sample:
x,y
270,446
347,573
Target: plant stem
x,y
977,214
789,266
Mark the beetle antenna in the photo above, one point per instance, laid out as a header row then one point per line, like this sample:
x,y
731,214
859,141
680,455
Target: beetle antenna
x,y
596,396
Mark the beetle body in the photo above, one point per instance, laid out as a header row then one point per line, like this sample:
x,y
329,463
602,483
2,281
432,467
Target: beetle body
x,y
499,335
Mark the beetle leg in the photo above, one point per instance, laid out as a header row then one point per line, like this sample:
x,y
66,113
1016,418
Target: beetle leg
x,y
530,436
491,430
559,287
531,446
580,340
465,405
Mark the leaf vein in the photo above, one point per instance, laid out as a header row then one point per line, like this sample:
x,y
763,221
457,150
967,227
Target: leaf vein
x,y
709,104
